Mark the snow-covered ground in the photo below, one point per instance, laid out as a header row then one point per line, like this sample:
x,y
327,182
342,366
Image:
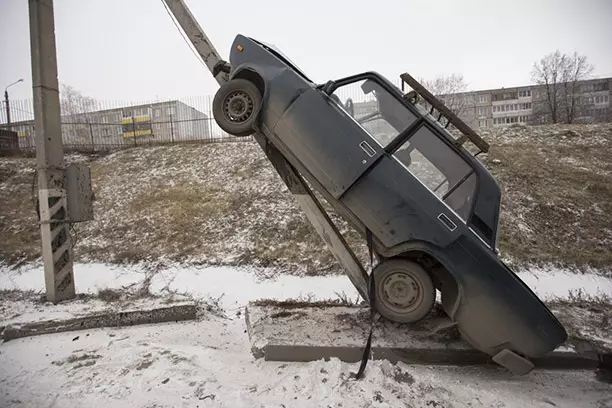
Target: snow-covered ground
x,y
235,287
207,363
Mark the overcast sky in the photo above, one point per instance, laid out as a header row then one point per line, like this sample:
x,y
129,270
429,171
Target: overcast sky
x,y
130,49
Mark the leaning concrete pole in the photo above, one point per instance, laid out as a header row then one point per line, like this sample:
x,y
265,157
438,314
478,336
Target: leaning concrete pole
x,y
56,242
301,192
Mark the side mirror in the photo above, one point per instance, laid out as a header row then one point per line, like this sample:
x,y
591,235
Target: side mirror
x,y
329,87
368,86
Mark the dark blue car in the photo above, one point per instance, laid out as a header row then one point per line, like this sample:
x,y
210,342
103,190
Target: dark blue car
x,y
388,166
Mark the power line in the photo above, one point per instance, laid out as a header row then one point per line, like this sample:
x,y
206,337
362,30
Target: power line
x,y
189,44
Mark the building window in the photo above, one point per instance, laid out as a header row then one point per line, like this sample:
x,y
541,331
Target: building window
x,y
171,110
482,98
482,111
601,99
525,106
157,113
128,113
524,94
600,87
482,123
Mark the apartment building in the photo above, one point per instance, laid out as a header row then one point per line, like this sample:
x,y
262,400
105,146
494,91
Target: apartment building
x,y
528,104
156,122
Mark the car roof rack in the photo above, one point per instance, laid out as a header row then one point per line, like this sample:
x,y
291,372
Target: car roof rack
x,y
467,133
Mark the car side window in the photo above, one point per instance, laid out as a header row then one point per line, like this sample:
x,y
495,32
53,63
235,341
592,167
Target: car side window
x,y
374,108
441,169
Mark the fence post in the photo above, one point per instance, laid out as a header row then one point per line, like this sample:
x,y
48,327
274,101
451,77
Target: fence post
x,y
171,129
134,129
93,146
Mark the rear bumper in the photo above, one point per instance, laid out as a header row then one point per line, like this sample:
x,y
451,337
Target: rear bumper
x,y
492,322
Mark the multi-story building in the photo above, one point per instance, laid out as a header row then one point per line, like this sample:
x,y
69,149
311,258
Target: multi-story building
x,y
155,122
528,104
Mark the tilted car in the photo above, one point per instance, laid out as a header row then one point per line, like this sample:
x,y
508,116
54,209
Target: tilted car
x,y
387,165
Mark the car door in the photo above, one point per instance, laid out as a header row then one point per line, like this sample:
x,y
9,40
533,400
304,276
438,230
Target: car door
x,y
422,190
321,130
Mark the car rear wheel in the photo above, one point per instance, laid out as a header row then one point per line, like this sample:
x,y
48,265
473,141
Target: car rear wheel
x,y
236,106
405,292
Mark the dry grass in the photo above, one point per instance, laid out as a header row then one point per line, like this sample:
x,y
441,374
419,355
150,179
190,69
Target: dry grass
x,y
586,318
225,204
557,202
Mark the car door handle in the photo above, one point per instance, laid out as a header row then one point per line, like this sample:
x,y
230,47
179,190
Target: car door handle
x,y
447,221
369,150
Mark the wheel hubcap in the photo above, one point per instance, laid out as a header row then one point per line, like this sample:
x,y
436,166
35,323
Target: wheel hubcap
x,y
238,106
401,292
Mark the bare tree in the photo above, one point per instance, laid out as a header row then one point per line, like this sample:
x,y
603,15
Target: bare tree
x,y
76,111
73,103
559,74
446,88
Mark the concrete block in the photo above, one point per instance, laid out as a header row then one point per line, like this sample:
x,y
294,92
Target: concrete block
x,y
173,313
279,333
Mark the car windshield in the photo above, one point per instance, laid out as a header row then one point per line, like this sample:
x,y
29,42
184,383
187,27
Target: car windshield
x,y
375,109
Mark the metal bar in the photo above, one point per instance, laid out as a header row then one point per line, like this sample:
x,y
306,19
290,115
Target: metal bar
x,y
301,192
93,147
171,129
450,115
56,245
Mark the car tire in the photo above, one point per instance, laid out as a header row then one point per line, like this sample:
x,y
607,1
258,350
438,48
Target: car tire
x,y
405,293
236,106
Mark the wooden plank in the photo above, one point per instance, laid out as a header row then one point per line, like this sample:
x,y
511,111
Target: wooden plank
x,y
450,115
317,216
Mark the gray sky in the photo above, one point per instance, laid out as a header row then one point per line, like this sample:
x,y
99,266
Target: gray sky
x,y
130,50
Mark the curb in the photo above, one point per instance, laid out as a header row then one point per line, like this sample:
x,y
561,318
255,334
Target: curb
x,y
106,319
298,353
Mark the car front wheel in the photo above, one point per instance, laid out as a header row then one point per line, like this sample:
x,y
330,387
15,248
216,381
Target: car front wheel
x,y
405,292
236,106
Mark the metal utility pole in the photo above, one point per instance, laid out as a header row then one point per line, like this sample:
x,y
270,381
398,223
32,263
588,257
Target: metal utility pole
x,y
53,203
301,192
6,101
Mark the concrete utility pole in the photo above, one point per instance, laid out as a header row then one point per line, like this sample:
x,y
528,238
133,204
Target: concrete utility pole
x,y
53,202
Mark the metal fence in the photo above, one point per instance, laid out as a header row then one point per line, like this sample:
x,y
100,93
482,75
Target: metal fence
x,y
94,125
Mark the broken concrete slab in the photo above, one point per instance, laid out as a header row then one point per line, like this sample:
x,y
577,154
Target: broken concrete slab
x,y
174,313
309,333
